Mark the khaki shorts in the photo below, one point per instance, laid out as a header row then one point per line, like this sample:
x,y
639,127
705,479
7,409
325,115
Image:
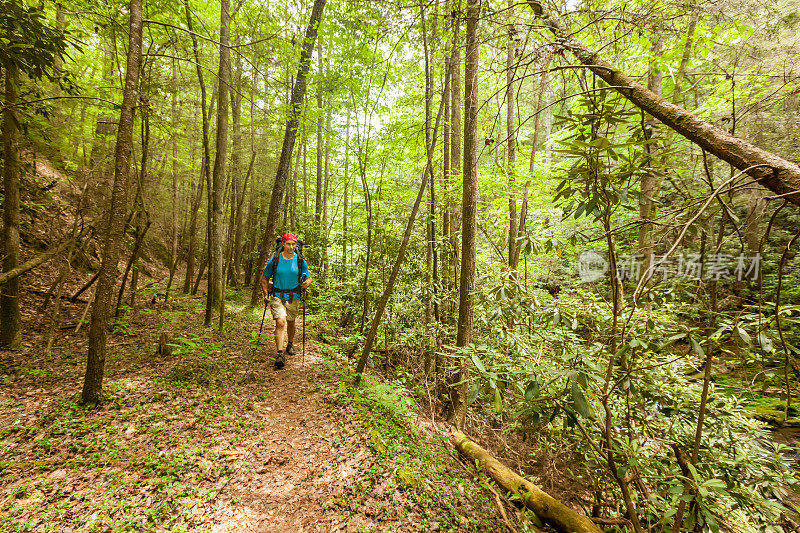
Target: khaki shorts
x,y
284,310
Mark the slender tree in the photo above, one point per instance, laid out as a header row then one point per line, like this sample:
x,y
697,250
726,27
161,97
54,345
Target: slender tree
x,y
173,246
285,161
469,210
10,328
112,239
205,167
455,143
320,149
511,145
215,295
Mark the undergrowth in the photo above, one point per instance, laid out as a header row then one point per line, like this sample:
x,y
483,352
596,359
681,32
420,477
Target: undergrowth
x,y
416,465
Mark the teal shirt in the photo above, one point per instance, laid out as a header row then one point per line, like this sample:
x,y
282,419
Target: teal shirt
x,y
286,274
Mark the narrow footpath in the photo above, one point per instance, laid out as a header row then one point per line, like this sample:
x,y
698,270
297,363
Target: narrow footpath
x,y
208,436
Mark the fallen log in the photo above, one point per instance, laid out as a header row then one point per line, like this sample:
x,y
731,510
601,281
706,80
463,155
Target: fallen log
x,y
5,277
548,509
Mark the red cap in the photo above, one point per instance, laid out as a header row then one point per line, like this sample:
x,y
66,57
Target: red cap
x,y
288,237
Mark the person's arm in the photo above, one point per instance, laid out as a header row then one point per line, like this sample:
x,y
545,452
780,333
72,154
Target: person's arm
x,y
265,281
306,276
265,286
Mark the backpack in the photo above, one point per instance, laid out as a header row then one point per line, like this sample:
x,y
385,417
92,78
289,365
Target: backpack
x,y
300,263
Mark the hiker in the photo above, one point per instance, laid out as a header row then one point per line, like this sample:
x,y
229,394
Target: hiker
x,y
285,292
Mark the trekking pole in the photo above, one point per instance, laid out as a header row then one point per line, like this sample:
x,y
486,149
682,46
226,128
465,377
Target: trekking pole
x,y
262,322
303,297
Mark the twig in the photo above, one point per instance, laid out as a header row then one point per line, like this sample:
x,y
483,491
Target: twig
x,y
501,508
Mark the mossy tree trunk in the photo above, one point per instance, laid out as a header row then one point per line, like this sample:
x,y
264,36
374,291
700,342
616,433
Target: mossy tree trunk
x,y
216,193
548,509
469,213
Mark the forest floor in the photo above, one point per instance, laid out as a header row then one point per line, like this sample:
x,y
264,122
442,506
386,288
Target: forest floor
x,y
211,438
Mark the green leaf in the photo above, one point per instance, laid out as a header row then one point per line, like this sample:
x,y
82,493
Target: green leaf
x,y
498,401
478,364
765,342
473,394
696,347
532,390
714,483
582,407
745,338
672,339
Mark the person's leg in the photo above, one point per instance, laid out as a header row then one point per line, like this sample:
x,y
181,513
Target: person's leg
x,y
291,317
280,332
291,328
279,315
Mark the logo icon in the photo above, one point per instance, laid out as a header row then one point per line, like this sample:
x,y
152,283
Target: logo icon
x,y
591,266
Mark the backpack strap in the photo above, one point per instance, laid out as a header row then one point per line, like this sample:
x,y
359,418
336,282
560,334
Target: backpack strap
x,y
275,260
300,262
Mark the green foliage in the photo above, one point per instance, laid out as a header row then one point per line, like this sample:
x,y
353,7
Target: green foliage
x,y
604,167
407,461
203,373
29,44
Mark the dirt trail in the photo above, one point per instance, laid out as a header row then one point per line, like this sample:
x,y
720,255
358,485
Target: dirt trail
x,y
297,470
212,438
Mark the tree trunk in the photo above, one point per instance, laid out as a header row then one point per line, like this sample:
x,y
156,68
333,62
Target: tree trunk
x,y
236,260
138,205
285,162
235,170
318,196
215,232
205,176
304,144
140,234
93,382
445,188
430,262
548,509
650,180
362,170
10,323
511,147
298,156
201,271
346,193
775,173
455,145
326,223
173,248
469,212
523,212
240,228
190,251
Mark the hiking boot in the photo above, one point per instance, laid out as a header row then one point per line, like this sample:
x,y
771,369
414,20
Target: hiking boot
x,y
290,349
280,360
